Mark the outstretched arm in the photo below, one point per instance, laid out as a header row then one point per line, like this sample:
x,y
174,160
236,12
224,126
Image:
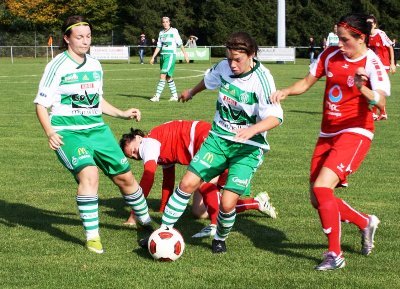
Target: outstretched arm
x,y
296,88
132,113
188,94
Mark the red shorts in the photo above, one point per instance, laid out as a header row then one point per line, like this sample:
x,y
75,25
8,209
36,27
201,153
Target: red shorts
x,y
343,154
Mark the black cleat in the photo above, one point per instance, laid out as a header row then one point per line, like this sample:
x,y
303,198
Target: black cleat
x,y
144,242
218,246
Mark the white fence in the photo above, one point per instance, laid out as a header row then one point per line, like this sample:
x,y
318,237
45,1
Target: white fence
x,y
287,54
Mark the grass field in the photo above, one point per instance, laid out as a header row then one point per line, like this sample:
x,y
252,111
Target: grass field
x,y
42,240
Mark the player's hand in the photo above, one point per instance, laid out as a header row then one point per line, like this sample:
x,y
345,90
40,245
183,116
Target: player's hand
x,y
243,134
392,68
55,140
360,77
152,60
132,113
186,95
186,58
278,95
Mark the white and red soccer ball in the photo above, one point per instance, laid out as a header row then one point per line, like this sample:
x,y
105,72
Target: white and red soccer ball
x,y
166,244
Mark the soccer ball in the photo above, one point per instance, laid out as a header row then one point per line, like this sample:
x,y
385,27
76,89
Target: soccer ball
x,y
166,244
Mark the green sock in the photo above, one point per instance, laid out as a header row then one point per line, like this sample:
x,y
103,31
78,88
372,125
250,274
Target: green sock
x,y
176,205
172,87
160,87
225,222
88,207
138,204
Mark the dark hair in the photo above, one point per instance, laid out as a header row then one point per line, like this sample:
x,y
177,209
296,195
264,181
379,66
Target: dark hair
x,y
242,41
373,18
128,137
359,22
66,27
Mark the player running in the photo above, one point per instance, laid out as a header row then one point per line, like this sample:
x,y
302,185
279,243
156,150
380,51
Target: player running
x,y
237,140
355,79
176,142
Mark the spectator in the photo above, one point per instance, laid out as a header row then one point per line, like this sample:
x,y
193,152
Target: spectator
x,y
142,45
191,43
311,49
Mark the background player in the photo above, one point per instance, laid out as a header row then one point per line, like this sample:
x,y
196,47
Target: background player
x,y
168,40
355,79
381,44
176,142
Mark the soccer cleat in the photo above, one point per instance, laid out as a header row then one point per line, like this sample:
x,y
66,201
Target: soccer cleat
x,y
173,98
95,245
331,262
367,235
143,243
375,116
264,205
383,116
155,98
208,231
218,246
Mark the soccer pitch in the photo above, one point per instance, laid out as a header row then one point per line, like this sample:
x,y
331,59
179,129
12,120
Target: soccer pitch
x,y
42,239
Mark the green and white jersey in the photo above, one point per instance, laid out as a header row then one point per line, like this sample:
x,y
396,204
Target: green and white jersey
x,y
242,100
73,92
169,40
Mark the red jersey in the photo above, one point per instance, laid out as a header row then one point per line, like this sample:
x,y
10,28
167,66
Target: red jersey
x,y
344,108
380,43
174,142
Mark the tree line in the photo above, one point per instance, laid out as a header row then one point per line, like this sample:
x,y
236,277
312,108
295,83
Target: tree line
x,y
120,22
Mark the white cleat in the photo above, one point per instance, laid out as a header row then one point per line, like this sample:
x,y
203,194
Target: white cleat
x,y
155,98
173,98
208,231
264,205
368,234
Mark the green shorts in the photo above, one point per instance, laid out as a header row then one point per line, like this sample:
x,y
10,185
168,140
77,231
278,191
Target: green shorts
x,y
92,147
217,154
167,64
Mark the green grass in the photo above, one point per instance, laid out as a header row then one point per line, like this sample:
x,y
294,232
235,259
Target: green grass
x,y
42,240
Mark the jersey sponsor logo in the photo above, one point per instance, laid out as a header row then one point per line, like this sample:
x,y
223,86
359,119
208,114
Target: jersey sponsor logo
x,y
74,161
124,160
71,78
240,182
42,94
87,85
335,94
345,66
207,160
82,151
85,78
85,101
229,100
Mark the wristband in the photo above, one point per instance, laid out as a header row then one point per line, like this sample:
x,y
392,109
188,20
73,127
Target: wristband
x,y
377,98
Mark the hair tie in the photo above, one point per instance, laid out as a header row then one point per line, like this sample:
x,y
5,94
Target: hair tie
x,y
76,24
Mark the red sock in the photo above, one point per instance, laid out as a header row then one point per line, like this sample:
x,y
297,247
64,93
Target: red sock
x,y
210,195
330,217
246,204
165,194
375,109
350,215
